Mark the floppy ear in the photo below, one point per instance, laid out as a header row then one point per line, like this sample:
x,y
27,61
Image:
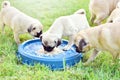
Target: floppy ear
x,y
30,28
82,43
81,13
58,42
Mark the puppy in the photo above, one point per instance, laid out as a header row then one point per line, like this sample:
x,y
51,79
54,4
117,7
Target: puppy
x,y
115,14
64,26
101,38
19,22
100,9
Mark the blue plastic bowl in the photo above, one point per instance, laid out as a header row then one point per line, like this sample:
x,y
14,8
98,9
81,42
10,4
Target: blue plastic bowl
x,y
27,54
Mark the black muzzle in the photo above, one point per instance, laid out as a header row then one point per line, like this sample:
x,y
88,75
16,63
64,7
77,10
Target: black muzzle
x,y
48,48
77,49
38,34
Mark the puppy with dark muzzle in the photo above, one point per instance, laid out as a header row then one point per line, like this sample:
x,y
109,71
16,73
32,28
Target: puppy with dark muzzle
x,y
100,38
53,42
64,26
19,22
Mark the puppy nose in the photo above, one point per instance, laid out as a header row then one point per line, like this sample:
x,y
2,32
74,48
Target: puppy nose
x,y
80,51
38,34
77,49
48,48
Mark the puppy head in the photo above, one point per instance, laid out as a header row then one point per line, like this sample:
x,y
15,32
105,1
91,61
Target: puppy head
x,y
50,41
80,11
5,4
35,30
81,44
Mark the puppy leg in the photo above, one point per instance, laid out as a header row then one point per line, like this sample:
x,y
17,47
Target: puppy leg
x,y
70,43
99,18
115,55
3,26
16,38
92,18
92,57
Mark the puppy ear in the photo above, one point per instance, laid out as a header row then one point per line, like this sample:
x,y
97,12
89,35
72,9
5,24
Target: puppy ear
x,y
58,42
81,11
82,43
30,28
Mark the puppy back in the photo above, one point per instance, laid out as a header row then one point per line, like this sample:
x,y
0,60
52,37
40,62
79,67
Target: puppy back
x,y
5,4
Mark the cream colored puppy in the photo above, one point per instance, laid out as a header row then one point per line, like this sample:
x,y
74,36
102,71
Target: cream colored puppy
x,y
105,37
100,9
115,14
19,22
64,26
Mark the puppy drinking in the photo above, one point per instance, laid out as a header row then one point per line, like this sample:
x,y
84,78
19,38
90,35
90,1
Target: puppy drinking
x,y
101,38
19,22
64,26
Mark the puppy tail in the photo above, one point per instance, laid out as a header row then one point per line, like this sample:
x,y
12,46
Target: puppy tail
x,y
80,11
5,4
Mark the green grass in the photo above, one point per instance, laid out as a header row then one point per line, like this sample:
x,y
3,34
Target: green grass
x,y
103,68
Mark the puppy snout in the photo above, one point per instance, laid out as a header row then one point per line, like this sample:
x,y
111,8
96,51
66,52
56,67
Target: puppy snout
x,y
48,48
78,50
38,34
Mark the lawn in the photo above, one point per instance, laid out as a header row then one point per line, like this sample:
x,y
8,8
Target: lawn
x,y
103,68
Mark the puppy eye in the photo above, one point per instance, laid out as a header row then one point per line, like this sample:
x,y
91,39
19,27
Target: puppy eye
x,y
34,28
